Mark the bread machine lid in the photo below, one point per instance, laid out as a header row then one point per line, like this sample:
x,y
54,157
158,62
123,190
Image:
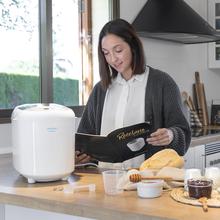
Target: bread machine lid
x,y
42,107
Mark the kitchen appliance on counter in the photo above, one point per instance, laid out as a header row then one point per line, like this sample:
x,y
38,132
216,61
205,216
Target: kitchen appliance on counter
x,y
212,154
43,141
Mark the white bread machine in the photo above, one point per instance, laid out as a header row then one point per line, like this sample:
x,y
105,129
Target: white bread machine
x,y
43,139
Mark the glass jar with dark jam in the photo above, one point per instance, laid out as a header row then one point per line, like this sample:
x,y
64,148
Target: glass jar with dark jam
x,y
199,188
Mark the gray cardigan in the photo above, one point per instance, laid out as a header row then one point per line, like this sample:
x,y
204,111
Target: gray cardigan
x,y
163,108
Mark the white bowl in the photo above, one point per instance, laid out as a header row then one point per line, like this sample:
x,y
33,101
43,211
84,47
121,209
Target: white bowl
x,y
150,188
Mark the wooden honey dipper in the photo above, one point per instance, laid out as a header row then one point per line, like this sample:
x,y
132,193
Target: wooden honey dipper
x,y
203,201
137,178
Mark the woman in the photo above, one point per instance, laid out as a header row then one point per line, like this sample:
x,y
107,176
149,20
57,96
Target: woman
x,y
131,92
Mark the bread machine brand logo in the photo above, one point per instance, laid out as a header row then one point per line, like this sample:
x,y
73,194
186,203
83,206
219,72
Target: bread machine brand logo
x,y
52,129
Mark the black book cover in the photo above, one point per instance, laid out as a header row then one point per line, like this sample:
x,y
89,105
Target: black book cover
x,y
118,146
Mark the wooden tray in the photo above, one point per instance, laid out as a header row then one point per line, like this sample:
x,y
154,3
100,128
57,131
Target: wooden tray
x,y
182,196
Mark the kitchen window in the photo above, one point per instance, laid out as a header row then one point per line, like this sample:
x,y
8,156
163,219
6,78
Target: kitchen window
x,y
49,50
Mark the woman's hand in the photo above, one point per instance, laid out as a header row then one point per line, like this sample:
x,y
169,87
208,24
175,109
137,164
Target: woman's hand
x,y
161,137
81,158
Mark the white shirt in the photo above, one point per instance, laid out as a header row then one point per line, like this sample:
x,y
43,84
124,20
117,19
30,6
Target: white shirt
x,y
124,105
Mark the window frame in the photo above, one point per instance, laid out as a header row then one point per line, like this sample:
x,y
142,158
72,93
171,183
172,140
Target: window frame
x,y
46,57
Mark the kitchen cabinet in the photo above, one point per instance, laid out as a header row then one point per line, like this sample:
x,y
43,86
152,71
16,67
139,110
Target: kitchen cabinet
x,y
212,154
2,212
189,158
12,212
194,157
203,156
214,21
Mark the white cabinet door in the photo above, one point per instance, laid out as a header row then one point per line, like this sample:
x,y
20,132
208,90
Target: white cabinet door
x,y
189,158
21,213
2,212
194,157
199,157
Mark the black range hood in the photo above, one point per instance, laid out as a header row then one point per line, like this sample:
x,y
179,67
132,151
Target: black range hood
x,y
173,20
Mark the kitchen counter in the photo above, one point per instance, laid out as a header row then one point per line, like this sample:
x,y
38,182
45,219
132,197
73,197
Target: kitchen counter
x,y
205,135
206,139
14,190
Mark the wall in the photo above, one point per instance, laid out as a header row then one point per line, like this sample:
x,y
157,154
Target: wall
x,y
179,60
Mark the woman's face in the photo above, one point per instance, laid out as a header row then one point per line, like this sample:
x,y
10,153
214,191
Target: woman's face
x,y
117,54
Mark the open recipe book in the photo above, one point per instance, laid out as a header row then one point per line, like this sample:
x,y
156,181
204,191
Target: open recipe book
x,y
118,146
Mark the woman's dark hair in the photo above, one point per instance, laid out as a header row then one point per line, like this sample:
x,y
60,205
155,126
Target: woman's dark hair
x,y
124,30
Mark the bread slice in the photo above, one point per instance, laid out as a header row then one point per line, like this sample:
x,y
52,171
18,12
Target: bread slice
x,y
176,173
163,158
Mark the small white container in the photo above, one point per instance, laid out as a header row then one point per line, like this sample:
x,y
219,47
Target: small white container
x,y
150,188
213,173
